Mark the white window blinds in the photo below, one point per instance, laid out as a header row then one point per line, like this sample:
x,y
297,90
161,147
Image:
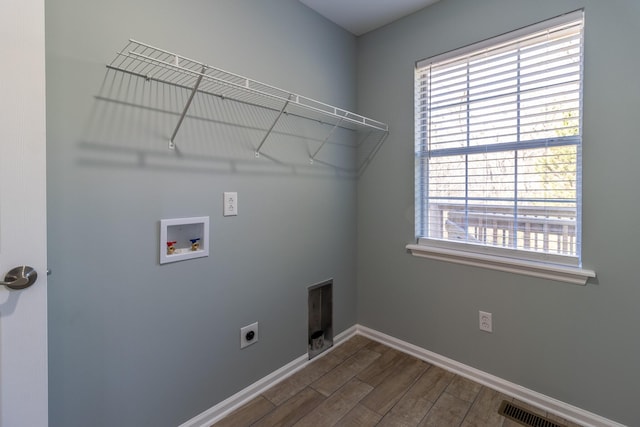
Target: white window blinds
x,y
498,142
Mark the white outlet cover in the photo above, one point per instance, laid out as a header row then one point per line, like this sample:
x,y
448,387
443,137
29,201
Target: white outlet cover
x,y
244,341
486,322
230,203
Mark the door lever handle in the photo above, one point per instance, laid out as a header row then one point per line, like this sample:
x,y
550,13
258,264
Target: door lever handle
x,y
20,278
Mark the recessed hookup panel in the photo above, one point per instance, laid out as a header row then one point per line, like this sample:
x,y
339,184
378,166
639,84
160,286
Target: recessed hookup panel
x,y
184,238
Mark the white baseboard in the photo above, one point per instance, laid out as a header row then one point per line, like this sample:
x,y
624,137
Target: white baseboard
x,y
564,410
224,408
549,404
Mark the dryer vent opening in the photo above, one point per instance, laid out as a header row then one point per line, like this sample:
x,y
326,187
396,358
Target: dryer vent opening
x,y
320,317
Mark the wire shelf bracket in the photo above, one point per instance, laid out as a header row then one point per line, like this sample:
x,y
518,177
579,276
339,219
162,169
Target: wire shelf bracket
x,y
172,144
275,122
154,64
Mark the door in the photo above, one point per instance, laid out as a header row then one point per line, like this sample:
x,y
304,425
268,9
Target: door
x,y
23,313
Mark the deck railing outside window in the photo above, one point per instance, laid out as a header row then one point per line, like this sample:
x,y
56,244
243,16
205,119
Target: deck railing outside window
x,y
549,230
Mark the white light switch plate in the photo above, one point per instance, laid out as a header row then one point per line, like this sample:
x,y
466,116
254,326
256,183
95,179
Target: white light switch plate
x,y
230,204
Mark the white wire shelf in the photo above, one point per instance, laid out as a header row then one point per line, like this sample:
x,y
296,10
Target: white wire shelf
x,y
159,65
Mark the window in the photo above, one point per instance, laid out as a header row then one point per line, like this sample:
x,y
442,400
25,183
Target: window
x,y
498,145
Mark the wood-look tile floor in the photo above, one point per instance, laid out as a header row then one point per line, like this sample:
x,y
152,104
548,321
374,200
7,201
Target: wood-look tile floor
x,y
364,383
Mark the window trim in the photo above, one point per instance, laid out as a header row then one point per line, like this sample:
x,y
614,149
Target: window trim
x,y
505,37
541,265
544,270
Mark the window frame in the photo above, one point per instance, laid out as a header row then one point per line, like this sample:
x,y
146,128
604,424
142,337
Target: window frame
x,y
537,264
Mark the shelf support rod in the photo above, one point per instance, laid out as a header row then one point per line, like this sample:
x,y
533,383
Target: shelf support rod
x,y
272,126
372,153
313,156
172,145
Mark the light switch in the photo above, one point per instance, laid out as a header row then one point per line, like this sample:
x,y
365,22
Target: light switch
x,y
230,204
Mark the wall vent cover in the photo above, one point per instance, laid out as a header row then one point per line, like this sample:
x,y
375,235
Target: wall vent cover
x,y
525,417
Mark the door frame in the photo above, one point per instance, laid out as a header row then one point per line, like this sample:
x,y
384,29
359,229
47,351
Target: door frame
x,y
23,313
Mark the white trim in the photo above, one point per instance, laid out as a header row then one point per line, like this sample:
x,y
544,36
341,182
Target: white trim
x,y
224,408
568,274
503,38
502,252
546,403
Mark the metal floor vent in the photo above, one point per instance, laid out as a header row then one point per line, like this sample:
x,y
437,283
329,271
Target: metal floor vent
x,y
525,417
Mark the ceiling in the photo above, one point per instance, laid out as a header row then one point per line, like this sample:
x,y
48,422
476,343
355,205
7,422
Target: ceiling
x,y
361,16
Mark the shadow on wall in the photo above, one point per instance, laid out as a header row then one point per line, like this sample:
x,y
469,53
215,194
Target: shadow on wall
x,y
133,118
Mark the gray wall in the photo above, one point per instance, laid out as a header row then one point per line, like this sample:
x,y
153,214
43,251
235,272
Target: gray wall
x,y
133,343
577,344
136,343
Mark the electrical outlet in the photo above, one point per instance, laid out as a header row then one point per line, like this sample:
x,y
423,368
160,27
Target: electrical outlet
x,y
249,335
230,203
486,323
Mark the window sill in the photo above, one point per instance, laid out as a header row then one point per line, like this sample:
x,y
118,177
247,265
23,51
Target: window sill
x,y
574,275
